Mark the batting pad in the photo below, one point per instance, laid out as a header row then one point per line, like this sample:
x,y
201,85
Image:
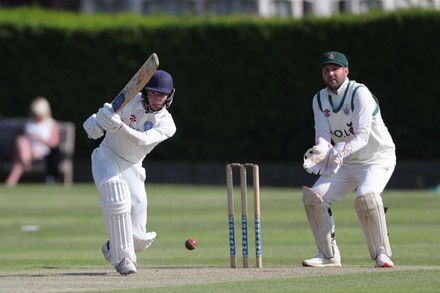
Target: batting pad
x,y
371,214
319,221
115,207
142,242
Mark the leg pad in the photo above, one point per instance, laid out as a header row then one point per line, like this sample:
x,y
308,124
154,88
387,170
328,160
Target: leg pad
x,y
115,206
371,215
319,221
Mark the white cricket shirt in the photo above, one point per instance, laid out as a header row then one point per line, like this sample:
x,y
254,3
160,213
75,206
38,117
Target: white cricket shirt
x,y
353,115
140,133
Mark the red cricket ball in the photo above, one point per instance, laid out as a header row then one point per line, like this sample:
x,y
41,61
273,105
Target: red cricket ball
x,y
190,244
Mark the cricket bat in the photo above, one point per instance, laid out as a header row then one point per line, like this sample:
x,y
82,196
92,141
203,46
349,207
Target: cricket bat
x,y
135,85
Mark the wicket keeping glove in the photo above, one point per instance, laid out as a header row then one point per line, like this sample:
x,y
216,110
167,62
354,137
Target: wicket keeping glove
x,y
107,119
315,157
94,131
336,157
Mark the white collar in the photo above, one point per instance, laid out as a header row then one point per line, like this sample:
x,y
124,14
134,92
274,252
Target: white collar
x,y
341,89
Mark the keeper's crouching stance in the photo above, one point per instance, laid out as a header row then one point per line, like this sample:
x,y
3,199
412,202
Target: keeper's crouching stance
x,y
371,214
117,167
353,152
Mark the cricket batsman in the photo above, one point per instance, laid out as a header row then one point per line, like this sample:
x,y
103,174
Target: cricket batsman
x,y
361,157
117,166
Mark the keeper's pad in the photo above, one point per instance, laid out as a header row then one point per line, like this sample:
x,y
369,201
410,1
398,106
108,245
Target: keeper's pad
x,y
319,220
371,214
115,207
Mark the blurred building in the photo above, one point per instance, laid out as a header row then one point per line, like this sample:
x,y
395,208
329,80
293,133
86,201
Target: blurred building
x,y
265,8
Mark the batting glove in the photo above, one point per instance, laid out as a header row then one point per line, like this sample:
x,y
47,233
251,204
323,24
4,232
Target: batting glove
x,y
94,131
107,119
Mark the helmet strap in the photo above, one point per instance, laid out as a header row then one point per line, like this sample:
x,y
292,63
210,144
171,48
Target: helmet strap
x,y
170,98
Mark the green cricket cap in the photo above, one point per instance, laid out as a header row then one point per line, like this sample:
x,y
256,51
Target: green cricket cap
x,y
333,57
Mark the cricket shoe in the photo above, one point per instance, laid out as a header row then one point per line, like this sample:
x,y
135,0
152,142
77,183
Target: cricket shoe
x,y
383,261
321,261
126,267
106,251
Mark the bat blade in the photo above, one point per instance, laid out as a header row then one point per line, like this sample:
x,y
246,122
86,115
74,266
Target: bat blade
x,y
135,85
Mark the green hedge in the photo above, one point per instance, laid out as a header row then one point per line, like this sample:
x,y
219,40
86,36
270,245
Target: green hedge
x,y
243,85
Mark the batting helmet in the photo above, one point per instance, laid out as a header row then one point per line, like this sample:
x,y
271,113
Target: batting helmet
x,y
161,82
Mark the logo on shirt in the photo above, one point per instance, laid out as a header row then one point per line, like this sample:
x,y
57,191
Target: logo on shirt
x,y
346,109
148,125
344,133
132,118
326,113
350,127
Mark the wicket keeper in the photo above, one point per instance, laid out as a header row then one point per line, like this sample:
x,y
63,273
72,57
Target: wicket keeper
x,y
361,157
117,167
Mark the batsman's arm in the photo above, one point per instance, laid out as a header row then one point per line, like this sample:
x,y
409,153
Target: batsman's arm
x,y
157,134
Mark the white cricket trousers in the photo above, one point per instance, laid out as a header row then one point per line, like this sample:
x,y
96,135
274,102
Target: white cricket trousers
x,y
362,178
107,166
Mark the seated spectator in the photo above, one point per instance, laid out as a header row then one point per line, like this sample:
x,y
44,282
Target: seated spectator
x,y
41,134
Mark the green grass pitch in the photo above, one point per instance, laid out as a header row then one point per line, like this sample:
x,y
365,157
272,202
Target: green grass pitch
x,y
67,232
